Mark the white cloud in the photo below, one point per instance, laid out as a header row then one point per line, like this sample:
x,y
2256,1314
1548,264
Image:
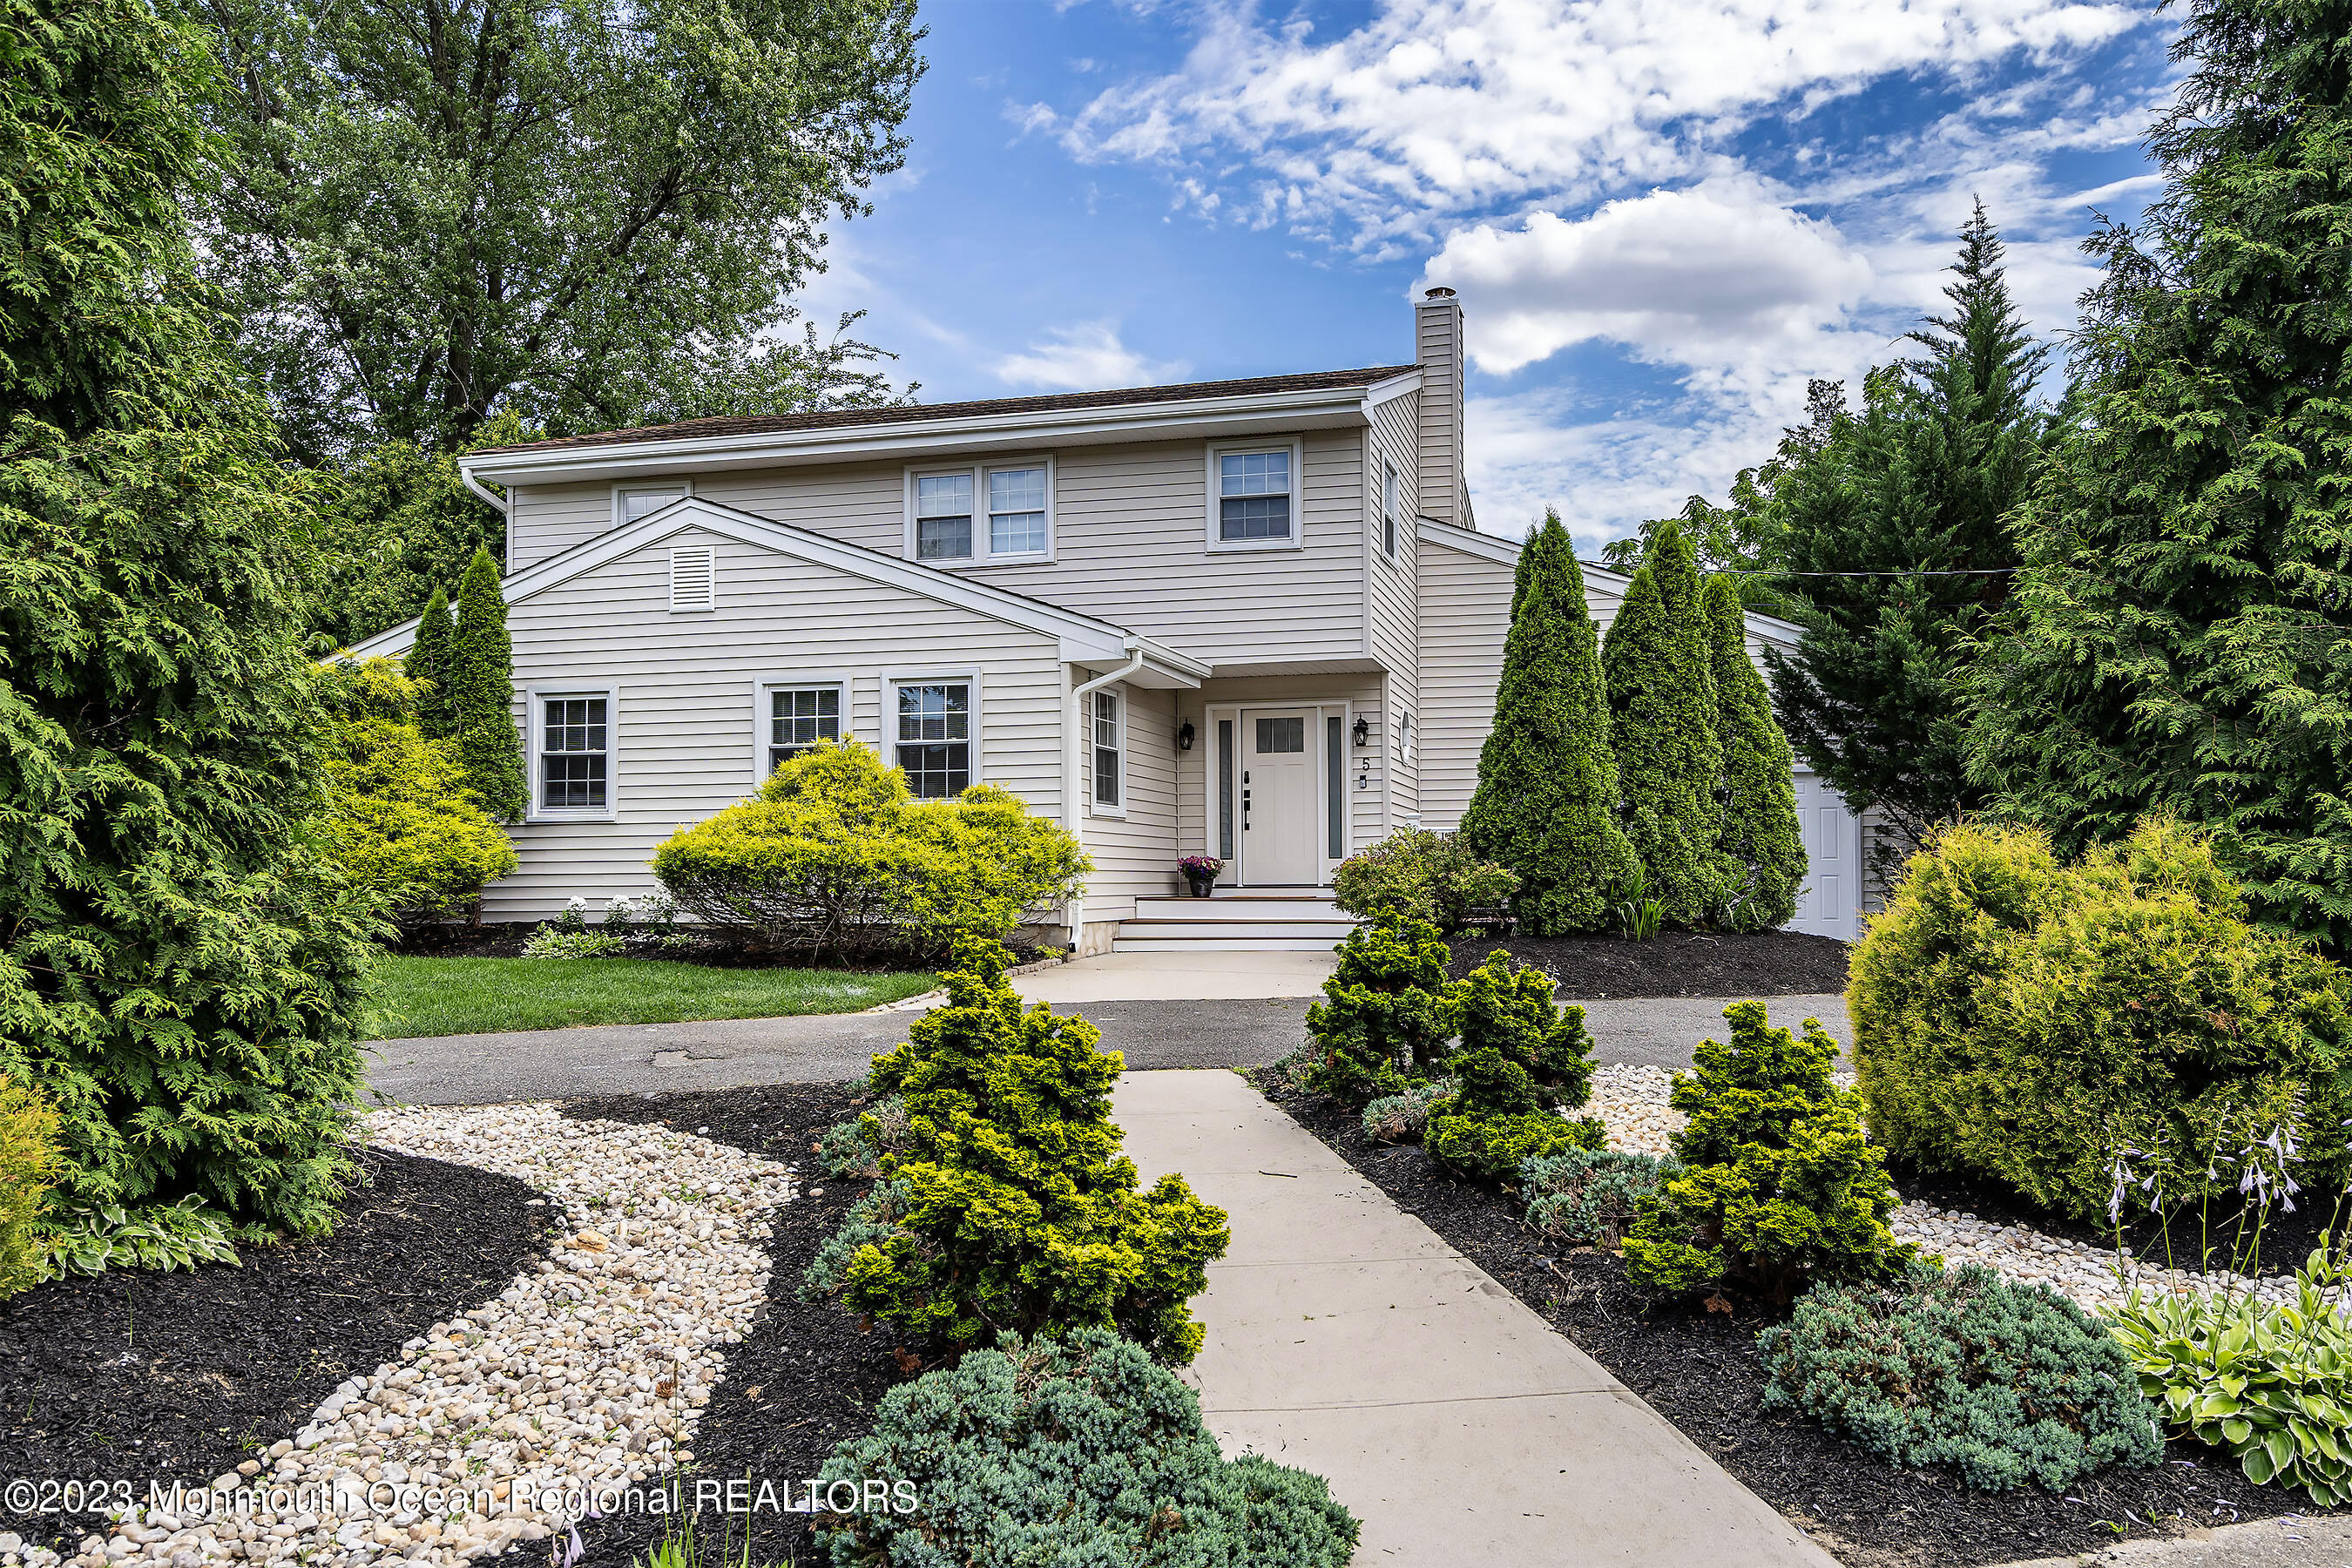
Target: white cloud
x,y
1717,276
1438,107
1084,358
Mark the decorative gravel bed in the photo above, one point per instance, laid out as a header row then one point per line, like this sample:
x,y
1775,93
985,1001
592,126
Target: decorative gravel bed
x,y
585,1373
142,1376
805,1376
1701,1370
1673,963
1631,1101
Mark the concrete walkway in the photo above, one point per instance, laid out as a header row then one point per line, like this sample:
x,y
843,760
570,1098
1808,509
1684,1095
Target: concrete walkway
x,y
1346,1337
1181,976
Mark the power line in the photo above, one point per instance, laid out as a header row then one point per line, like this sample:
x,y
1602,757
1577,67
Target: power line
x,y
1920,572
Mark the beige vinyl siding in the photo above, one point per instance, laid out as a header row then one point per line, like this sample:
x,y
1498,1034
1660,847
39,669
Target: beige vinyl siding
x,y
1135,855
1130,526
1395,593
685,683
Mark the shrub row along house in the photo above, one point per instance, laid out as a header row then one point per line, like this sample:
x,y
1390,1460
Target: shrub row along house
x,y
1250,619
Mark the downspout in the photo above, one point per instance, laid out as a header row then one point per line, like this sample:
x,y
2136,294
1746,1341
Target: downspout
x,y
506,510
1076,909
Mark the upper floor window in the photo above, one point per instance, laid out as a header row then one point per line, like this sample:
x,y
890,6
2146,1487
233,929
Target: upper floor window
x,y
630,502
932,736
1109,749
981,515
1389,511
1254,497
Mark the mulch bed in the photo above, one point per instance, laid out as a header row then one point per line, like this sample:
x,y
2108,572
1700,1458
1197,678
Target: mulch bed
x,y
142,1376
504,939
1673,963
1701,1370
806,1378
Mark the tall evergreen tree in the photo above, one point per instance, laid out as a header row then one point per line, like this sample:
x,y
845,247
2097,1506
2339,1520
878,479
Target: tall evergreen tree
x,y
179,977
431,661
1661,705
481,693
2180,639
1547,797
1762,843
1915,488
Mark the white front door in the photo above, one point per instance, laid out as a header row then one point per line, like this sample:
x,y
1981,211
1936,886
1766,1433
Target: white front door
x,y
1281,841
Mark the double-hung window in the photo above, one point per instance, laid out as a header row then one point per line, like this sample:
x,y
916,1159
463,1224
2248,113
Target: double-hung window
x,y
575,752
798,718
1254,497
981,515
1111,749
1389,511
931,736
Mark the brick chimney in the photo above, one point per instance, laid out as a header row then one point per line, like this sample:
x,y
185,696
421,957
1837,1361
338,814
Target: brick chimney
x,y
1437,345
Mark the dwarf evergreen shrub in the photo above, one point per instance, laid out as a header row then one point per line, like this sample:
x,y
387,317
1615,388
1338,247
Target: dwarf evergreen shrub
x,y
1387,1012
855,1148
2006,1385
2026,1021
401,820
28,1160
1546,804
481,694
1590,1195
1075,1450
834,855
1779,1186
1017,1212
1522,1060
1662,718
1429,876
1402,1118
1761,843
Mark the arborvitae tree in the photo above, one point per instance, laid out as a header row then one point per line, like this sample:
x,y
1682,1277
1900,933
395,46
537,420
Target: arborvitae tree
x,y
429,661
1762,842
179,977
481,693
1661,703
2181,637
1547,798
1915,486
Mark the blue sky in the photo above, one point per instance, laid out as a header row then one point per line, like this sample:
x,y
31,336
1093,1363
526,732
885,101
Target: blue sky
x,y
1663,215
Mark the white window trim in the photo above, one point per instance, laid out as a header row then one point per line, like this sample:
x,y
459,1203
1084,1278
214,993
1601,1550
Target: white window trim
x,y
1118,694
789,682
887,721
622,485
981,555
536,699
1298,539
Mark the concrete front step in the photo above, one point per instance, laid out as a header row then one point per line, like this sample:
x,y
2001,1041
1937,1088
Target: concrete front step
x,y
1329,930
1238,907
1224,944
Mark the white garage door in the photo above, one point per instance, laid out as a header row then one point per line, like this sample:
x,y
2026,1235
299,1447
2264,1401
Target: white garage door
x,y
1831,896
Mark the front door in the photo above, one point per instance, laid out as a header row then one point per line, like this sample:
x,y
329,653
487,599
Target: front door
x,y
1280,843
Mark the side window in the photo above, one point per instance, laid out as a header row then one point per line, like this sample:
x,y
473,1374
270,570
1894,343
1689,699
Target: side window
x,y
575,753
932,737
798,718
1389,511
1109,749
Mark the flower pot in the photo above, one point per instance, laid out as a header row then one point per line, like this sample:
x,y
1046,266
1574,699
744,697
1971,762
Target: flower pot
x,y
1201,886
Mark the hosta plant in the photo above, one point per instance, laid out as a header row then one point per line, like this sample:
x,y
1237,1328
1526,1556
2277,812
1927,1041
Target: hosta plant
x,y
2269,1384
164,1237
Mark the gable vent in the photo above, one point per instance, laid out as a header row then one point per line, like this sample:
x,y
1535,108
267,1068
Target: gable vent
x,y
692,580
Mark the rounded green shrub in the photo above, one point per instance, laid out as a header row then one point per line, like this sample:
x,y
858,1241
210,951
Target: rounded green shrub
x,y
1779,1187
401,820
2027,1021
1012,1209
834,855
28,1160
1387,1010
1078,1451
1590,1196
1522,1060
2004,1384
1427,876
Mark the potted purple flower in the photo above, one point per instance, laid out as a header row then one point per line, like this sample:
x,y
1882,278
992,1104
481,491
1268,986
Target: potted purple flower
x,y
1200,873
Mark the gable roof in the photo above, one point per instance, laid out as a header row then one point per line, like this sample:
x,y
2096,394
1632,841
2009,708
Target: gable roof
x,y
1084,639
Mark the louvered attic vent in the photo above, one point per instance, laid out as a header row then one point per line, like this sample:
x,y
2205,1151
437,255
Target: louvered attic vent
x,y
692,580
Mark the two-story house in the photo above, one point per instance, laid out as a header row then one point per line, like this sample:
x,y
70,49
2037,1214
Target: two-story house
x,y
1251,618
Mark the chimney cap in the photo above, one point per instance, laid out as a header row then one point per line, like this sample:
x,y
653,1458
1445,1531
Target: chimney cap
x,y
1440,292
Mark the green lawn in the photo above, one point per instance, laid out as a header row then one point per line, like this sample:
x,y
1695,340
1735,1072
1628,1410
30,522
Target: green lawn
x,y
472,995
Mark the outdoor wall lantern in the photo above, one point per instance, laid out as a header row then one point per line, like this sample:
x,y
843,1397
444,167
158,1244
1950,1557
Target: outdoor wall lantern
x,y
1363,734
1184,736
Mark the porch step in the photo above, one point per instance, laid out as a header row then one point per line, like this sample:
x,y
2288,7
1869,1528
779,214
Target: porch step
x,y
1222,944
1156,929
1301,905
1240,920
